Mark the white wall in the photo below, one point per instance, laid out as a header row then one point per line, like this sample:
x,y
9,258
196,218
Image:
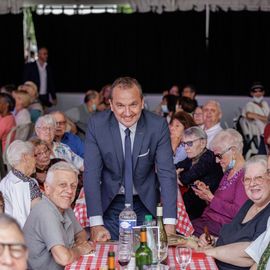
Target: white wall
x,y
231,105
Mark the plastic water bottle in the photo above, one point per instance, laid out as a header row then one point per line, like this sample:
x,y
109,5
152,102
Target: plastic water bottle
x,y
127,220
151,242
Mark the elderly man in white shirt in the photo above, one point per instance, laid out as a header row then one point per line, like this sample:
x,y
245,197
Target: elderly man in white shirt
x,y
211,119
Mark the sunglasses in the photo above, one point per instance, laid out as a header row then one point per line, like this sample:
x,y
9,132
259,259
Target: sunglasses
x,y
257,90
189,143
219,156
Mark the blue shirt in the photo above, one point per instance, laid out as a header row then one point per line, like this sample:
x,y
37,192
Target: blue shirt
x,y
74,142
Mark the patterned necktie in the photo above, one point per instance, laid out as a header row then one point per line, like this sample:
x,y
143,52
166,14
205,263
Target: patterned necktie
x,y
264,258
128,174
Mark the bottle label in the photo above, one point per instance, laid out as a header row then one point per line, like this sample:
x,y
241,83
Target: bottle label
x,y
127,225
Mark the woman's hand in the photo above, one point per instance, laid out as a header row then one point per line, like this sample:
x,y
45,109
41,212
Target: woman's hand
x,y
204,242
203,191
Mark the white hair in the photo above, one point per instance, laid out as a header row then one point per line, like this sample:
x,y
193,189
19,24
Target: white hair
x,y
258,159
214,102
228,138
47,120
60,166
16,150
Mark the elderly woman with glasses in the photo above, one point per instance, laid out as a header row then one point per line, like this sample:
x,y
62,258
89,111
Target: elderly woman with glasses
x,y
20,191
224,204
248,224
43,161
200,165
45,130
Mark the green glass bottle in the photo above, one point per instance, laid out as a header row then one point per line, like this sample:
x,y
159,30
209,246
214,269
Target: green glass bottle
x,y
143,254
162,232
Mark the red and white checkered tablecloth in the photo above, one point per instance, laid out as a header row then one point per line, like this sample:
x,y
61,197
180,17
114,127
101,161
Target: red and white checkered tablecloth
x,y
199,260
183,225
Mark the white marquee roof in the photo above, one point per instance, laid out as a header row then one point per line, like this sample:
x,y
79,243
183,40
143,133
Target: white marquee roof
x,y
14,6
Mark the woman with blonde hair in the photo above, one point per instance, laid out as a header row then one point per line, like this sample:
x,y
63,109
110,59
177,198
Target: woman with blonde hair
x,y
35,108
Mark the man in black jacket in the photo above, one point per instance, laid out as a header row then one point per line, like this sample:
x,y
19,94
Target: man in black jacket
x,y
40,73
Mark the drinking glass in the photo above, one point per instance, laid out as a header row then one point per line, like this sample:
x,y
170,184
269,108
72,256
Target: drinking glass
x,y
124,255
183,256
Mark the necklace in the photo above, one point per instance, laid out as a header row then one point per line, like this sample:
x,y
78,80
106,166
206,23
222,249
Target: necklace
x,y
228,182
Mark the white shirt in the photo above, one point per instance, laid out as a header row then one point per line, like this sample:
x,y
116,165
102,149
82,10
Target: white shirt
x,y
22,117
98,220
211,133
17,197
257,247
42,78
254,108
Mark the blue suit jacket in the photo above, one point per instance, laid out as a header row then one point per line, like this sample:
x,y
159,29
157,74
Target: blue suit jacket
x,y
153,168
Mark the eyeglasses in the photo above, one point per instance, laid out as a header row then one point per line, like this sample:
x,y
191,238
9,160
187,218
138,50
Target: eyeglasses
x,y
257,90
189,143
219,156
46,129
16,251
258,179
61,123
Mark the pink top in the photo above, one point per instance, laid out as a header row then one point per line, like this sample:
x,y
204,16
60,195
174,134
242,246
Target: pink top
x,y
228,199
6,124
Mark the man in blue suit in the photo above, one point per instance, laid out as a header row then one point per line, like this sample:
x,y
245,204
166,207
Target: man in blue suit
x,y
152,169
40,73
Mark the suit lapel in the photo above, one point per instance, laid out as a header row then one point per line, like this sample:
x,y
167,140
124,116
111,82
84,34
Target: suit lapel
x,y
138,140
117,142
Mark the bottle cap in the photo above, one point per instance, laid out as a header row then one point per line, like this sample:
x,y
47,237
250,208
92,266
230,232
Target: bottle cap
x,y
148,218
111,254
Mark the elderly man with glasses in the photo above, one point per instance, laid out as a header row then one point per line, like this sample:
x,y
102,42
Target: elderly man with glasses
x,y
13,251
62,135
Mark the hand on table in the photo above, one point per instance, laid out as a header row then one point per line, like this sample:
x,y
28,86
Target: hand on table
x,y
170,229
85,247
99,233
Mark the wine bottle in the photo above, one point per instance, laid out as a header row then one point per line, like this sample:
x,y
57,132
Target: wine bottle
x,y
111,260
162,232
143,254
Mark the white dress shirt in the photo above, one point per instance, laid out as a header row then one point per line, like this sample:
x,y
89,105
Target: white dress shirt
x,y
42,78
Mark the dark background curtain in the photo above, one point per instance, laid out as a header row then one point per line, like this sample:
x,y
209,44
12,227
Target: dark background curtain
x,y
11,48
92,50
159,50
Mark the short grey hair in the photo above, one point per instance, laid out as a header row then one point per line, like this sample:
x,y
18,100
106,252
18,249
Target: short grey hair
x,y
216,103
258,159
47,120
126,83
196,131
60,166
228,138
58,112
16,150
7,221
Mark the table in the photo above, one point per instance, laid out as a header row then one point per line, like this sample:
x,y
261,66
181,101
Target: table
x,y
199,260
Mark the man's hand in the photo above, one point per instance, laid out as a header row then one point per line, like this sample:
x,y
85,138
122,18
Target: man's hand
x,y
170,229
85,247
99,233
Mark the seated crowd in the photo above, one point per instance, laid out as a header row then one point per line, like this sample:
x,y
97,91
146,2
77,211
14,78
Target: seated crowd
x,y
222,177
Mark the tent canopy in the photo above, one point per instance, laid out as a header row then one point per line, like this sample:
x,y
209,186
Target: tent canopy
x,y
15,6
